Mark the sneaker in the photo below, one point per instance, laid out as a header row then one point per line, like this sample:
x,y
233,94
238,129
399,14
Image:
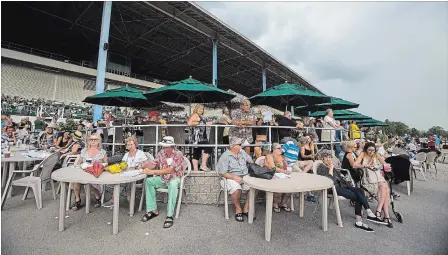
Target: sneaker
x,y
109,204
205,169
364,227
376,220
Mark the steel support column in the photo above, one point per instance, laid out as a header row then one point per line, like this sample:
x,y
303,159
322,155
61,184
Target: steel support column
x,y
215,63
263,78
102,57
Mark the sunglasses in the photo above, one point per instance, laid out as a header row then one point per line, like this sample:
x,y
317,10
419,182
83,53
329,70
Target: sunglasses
x,y
278,148
370,150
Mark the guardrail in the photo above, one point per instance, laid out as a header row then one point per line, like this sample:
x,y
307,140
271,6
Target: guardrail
x,y
215,145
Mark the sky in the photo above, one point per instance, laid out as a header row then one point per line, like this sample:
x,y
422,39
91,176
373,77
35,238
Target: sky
x,y
390,57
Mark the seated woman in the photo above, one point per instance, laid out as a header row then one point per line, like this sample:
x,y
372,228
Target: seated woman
x,y
345,189
91,154
198,135
64,141
75,147
307,155
370,159
348,161
277,160
48,139
134,158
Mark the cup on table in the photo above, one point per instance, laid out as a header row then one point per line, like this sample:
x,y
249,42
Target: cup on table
x,y
7,154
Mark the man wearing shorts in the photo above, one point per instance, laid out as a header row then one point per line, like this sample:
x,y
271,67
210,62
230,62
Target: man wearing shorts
x,y
232,165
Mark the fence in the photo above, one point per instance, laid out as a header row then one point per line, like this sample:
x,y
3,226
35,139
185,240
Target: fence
x,y
153,134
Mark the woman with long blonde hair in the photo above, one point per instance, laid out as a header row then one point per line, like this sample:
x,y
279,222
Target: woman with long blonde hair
x,y
91,154
198,135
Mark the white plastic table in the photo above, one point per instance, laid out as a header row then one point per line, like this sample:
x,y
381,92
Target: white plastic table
x,y
17,158
298,183
75,174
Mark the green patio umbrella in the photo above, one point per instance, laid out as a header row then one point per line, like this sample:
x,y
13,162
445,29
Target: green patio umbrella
x,y
189,91
289,94
373,124
123,97
367,121
335,113
357,116
335,104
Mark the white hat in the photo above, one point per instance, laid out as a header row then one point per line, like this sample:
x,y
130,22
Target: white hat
x,y
167,141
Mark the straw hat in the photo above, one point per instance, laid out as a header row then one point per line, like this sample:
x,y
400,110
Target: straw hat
x,y
77,136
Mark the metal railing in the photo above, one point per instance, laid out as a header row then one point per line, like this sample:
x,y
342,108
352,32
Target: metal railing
x,y
216,145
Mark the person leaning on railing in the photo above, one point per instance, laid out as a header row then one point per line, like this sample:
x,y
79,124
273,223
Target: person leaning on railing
x,y
198,135
242,117
225,120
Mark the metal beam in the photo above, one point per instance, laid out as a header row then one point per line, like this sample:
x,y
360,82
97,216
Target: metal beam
x,y
215,63
102,57
82,14
263,77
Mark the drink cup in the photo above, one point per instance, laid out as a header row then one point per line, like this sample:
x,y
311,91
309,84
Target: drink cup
x,y
7,154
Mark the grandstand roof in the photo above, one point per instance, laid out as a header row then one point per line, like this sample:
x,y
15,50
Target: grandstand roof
x,y
165,40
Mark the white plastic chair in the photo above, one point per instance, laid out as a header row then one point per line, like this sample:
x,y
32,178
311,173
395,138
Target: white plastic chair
x,y
431,158
418,163
34,182
181,188
70,160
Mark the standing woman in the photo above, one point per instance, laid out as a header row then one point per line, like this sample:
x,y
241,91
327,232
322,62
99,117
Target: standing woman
x,y
198,135
225,119
370,159
277,160
91,154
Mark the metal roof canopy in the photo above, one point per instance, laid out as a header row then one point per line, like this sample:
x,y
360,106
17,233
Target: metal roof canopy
x,y
165,40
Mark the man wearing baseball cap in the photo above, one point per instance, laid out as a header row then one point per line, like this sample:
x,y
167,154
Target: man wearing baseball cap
x,y
170,163
232,166
155,117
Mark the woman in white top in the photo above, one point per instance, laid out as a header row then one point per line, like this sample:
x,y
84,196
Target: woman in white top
x,y
329,122
91,154
133,157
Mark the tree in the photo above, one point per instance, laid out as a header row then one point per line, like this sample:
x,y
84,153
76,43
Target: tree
x,y
436,130
415,132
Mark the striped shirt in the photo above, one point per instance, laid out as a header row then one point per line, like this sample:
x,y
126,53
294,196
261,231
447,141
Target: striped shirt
x,y
291,152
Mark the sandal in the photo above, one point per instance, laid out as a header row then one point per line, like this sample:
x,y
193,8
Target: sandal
x,y
276,209
389,222
239,217
149,216
168,222
97,203
77,205
285,208
247,215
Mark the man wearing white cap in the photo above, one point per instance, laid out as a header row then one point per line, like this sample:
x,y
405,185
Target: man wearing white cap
x,y
232,166
170,163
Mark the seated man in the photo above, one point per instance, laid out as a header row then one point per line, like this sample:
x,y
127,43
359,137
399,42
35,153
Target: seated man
x,y
170,161
232,166
9,135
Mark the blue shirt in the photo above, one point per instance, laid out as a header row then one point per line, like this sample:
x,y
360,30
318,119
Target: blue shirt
x,y
291,152
437,141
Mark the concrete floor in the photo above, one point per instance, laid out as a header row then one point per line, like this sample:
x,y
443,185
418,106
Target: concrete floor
x,y
202,229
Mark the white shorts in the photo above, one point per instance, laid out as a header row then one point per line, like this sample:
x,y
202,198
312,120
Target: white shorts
x,y
233,186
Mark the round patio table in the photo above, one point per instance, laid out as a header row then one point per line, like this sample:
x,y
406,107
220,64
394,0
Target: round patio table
x,y
76,174
298,183
17,158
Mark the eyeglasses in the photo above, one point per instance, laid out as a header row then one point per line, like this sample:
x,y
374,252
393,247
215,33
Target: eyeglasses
x,y
371,150
278,148
94,139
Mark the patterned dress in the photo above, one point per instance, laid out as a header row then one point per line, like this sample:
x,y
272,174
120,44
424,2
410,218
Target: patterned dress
x,y
244,133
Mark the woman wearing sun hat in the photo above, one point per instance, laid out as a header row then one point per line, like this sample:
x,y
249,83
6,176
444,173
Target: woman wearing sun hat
x,y
76,146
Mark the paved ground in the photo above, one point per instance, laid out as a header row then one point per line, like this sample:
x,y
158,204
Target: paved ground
x,y
202,229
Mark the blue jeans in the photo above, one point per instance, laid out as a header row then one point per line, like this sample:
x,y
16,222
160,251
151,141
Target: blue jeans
x,y
356,195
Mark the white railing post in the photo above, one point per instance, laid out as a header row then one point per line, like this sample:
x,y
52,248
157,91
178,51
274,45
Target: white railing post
x,y
216,145
113,142
270,138
157,140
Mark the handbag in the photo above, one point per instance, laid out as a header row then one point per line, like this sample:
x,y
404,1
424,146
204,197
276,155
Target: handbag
x,y
370,179
260,172
96,170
